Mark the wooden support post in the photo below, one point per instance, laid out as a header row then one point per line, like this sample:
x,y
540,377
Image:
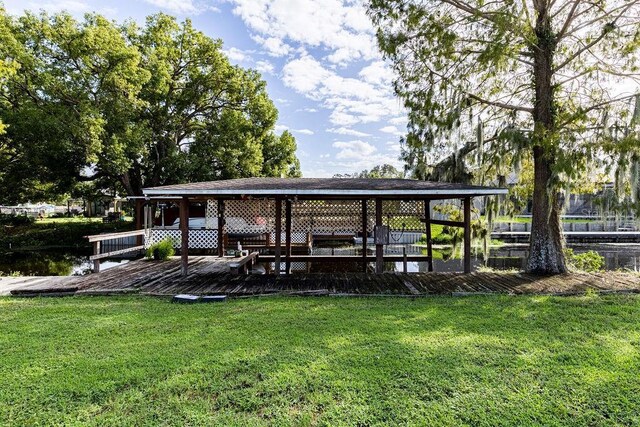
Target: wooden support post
x,y
287,219
139,204
221,247
184,232
404,259
467,234
427,221
379,247
96,251
278,248
364,235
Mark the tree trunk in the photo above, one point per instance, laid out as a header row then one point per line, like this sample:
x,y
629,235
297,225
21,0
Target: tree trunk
x,y
546,255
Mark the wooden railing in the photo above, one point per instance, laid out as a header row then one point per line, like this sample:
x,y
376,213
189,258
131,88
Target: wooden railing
x,y
99,238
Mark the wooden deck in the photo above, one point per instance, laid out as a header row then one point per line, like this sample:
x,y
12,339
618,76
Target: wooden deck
x,y
210,275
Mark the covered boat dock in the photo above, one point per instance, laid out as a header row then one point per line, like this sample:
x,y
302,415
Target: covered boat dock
x,y
285,212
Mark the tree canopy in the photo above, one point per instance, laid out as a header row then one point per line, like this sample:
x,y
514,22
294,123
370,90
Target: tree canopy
x,y
493,84
379,171
124,106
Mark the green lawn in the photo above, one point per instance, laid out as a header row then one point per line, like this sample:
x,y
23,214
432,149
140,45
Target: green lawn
x,y
321,361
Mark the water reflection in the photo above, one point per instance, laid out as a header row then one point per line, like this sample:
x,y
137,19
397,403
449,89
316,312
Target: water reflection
x,y
66,263
617,256
50,263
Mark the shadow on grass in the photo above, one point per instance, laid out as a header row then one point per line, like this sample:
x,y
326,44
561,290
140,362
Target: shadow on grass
x,y
330,361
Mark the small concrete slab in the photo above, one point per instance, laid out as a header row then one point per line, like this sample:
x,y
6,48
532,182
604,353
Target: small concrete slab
x,y
213,298
185,298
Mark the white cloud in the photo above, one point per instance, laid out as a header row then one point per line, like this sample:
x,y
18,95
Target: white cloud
x,y
343,119
181,7
392,130
304,74
76,8
399,121
282,128
71,6
377,73
348,131
353,149
273,45
57,6
351,100
265,67
341,27
308,110
350,165
393,146
237,55
325,156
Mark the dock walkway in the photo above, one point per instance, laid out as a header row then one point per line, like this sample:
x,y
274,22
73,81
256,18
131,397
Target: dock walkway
x,y
210,275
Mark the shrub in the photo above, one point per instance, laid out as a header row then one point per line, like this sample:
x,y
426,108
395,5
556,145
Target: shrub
x,y
442,239
15,220
589,261
161,250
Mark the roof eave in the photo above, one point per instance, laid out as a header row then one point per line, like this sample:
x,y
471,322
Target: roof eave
x,y
472,192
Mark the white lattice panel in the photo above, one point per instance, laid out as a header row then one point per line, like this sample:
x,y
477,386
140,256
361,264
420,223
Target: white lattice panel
x,y
211,215
326,217
397,213
249,216
198,239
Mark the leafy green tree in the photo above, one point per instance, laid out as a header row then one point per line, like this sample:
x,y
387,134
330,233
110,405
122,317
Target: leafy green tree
x,y
8,68
60,107
279,153
127,106
379,171
514,79
203,118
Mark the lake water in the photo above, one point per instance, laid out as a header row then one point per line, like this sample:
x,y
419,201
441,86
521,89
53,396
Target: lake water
x,y
617,256
51,263
69,262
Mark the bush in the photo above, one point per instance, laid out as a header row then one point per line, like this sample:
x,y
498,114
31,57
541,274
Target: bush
x,y
15,220
442,239
589,261
161,250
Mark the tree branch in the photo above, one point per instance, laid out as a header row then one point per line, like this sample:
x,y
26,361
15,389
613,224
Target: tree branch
x,y
499,104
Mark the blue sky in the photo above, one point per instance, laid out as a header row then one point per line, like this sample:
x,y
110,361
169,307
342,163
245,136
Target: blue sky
x,y
320,61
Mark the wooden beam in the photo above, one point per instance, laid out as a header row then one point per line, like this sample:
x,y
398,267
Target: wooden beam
x,y
184,233
447,223
278,250
348,258
427,221
221,247
113,253
379,247
139,205
364,235
467,234
96,252
287,224
109,236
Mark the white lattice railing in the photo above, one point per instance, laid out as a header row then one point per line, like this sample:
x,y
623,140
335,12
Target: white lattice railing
x,y
198,239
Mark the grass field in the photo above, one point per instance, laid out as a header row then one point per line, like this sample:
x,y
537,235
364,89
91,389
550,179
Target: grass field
x,y
480,361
